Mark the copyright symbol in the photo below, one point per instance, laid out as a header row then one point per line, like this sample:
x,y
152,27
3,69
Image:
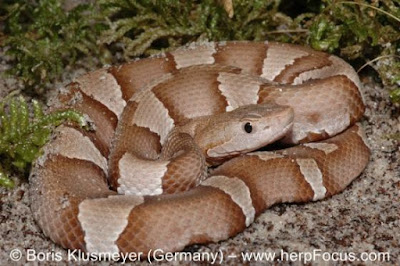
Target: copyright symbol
x,y
15,255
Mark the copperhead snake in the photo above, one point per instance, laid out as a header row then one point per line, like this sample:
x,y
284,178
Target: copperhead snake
x,y
172,158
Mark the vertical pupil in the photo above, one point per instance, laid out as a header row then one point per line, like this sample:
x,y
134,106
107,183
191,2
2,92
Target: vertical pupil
x,y
248,128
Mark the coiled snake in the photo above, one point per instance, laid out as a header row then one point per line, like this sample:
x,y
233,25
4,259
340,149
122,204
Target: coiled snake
x,y
175,136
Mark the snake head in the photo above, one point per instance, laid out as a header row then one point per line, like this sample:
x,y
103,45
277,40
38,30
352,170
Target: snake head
x,y
245,129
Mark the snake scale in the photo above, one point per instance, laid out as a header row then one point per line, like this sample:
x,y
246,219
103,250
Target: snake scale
x,y
173,156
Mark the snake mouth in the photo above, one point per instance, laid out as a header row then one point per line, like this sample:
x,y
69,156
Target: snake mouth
x,y
286,130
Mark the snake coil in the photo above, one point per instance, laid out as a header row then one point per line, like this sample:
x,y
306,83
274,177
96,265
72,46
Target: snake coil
x,y
160,122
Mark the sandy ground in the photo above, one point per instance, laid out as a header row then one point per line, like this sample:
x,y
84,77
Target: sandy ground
x,y
363,220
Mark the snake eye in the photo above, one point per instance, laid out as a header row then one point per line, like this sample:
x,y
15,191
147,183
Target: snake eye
x,y
248,127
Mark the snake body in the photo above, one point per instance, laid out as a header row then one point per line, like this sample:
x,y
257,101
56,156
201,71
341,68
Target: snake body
x,y
160,123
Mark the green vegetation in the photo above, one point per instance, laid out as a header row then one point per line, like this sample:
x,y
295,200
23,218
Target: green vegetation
x,y
21,136
146,27
41,40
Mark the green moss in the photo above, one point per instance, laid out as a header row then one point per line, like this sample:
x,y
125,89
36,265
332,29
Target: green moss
x,y
21,137
43,39
147,27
